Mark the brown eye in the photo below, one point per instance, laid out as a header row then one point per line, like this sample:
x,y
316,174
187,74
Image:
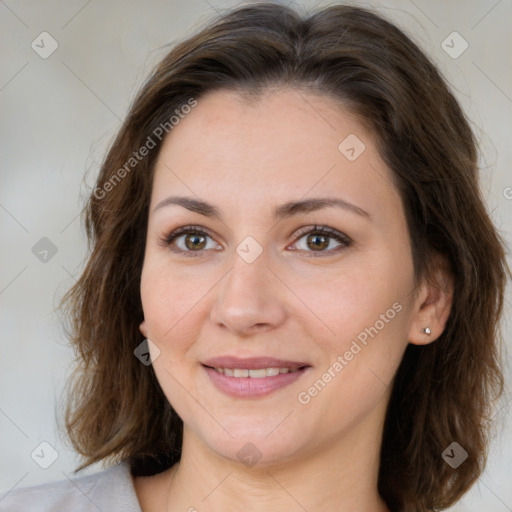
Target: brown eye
x,y
319,239
189,241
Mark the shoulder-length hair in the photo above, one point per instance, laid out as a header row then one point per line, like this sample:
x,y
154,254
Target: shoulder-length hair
x,y
444,391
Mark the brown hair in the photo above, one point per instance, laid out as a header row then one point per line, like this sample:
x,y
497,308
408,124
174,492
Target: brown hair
x,y
443,392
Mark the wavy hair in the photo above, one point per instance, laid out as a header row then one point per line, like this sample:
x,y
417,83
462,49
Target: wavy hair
x,y
442,392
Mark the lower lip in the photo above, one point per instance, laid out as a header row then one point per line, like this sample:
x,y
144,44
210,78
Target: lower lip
x,y
248,387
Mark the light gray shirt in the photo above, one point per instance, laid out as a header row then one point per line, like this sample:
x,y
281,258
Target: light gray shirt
x,y
110,490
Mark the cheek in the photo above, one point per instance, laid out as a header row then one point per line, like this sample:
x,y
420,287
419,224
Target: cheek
x,y
168,304
170,298
367,311
362,362
357,299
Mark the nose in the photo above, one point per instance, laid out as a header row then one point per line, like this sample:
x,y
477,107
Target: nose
x,y
250,298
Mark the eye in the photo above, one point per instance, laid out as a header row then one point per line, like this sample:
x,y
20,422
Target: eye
x,y
319,239
188,240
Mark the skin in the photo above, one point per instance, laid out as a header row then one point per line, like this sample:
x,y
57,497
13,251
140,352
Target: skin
x,y
247,158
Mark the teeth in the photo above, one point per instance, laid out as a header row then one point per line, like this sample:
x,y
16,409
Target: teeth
x,y
255,374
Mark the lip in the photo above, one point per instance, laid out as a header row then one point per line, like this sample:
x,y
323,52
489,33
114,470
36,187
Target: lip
x,y
252,363
248,387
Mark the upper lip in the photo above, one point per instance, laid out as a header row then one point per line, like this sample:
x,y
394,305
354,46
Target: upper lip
x,y
252,363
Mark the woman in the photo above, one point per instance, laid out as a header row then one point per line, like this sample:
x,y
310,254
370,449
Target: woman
x,y
294,291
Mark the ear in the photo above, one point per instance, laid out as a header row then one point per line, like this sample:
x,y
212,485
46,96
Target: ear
x,y
144,329
433,304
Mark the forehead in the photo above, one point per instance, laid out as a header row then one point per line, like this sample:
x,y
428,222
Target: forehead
x,y
282,146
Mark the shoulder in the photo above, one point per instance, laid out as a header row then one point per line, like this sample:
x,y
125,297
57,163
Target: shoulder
x,y
111,489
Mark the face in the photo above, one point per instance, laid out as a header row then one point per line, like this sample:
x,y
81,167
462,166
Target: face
x,y
324,288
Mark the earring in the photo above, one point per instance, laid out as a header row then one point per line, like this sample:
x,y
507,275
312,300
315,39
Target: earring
x,y
426,330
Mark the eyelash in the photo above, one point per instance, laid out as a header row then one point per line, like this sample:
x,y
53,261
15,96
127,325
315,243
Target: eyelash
x,y
318,230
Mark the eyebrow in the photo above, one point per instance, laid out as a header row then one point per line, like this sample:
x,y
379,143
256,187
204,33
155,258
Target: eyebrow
x,y
285,210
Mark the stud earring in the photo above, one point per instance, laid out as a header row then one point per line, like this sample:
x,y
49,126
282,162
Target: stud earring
x,y
426,330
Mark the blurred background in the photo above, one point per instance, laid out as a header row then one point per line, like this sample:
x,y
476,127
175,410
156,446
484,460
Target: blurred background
x,y
68,73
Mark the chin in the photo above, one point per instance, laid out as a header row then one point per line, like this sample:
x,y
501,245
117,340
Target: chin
x,y
257,446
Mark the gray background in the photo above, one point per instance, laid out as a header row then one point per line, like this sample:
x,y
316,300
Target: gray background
x,y
58,116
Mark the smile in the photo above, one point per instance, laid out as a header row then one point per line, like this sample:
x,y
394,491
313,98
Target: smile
x,y
245,383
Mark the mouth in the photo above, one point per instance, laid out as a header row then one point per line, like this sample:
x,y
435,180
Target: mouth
x,y
253,377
